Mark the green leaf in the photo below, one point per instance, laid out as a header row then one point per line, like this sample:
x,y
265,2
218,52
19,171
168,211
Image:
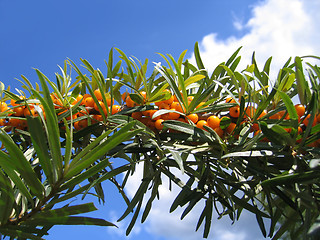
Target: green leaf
x,y
180,200
196,133
242,202
136,199
69,220
86,175
195,197
154,193
197,56
52,124
17,233
9,168
208,214
276,134
124,134
180,60
302,84
292,178
177,157
22,165
66,211
257,153
6,198
290,108
137,98
193,79
134,218
40,144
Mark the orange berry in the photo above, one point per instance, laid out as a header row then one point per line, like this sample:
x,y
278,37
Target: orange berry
x,y
190,98
89,102
28,111
307,119
18,111
136,115
146,113
230,100
57,102
282,113
201,104
219,131
264,112
152,112
250,112
83,123
169,101
202,123
318,118
53,96
175,99
78,99
98,94
13,102
97,118
3,107
14,122
230,128
109,102
164,105
159,124
3,122
213,121
96,106
124,96
115,109
193,117
177,106
255,127
300,109
76,126
86,95
276,116
173,115
158,103
182,120
130,102
144,95
234,111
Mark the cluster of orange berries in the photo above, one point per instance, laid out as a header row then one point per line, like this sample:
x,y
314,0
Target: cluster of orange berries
x,y
250,112
213,121
14,116
18,113
155,122
92,113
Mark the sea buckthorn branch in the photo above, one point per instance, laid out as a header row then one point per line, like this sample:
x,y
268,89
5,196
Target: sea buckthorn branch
x,y
239,145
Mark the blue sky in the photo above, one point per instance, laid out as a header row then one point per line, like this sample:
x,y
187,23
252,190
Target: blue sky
x,y
42,34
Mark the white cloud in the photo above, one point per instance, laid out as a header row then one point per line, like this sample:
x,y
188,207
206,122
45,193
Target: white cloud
x,y
277,28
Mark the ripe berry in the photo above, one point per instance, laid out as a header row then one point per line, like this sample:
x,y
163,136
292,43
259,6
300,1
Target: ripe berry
x,y
300,109
193,117
213,121
234,111
201,124
159,124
